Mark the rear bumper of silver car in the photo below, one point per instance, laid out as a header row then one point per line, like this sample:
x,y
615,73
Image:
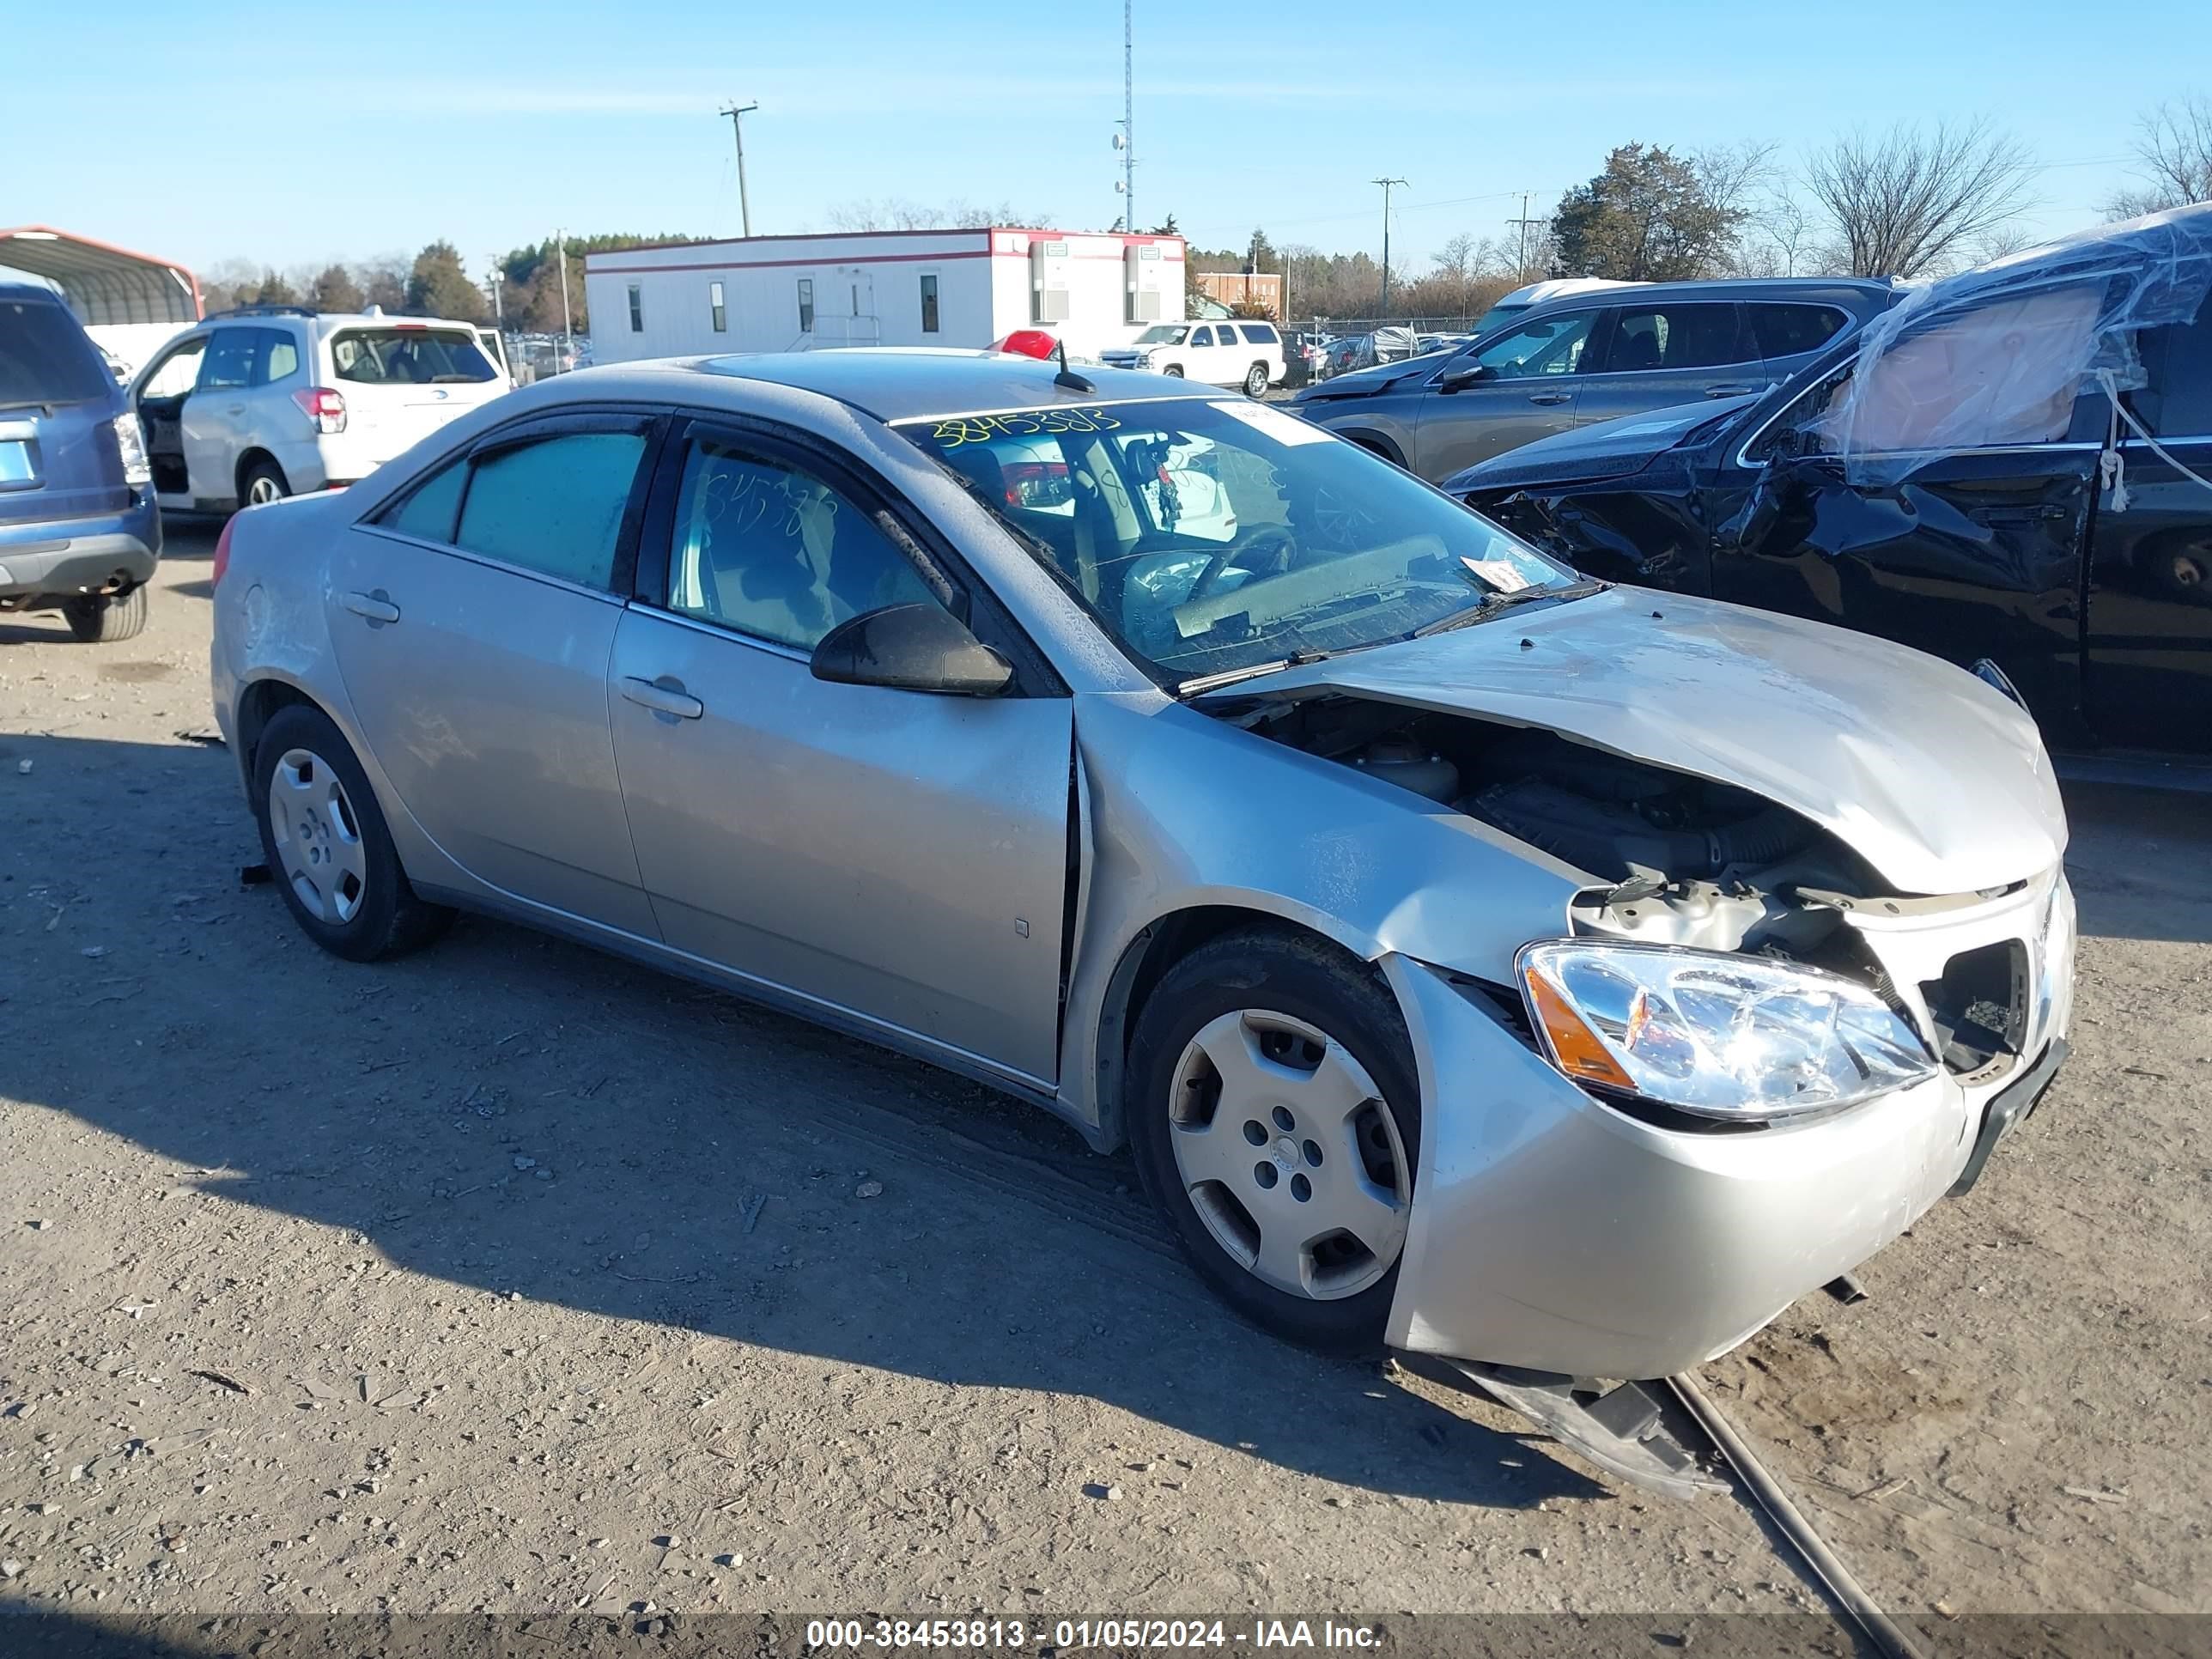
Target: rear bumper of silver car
x,y
1557,1233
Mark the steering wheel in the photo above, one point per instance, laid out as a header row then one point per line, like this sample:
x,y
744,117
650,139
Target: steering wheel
x,y
1278,535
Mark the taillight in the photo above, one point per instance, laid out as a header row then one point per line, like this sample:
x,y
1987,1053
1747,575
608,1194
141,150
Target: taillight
x,y
221,552
322,405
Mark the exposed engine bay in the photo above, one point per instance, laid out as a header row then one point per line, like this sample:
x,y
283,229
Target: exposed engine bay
x,y
1675,859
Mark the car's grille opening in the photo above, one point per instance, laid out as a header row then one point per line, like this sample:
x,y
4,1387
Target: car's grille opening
x,y
1979,1007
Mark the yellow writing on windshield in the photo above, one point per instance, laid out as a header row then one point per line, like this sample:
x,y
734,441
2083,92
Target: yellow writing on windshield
x,y
982,429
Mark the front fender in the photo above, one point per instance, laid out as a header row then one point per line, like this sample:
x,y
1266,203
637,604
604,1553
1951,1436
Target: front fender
x,y
1181,811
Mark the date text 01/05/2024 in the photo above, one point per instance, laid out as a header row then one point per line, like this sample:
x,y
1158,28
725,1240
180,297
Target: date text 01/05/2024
x,y
1078,1634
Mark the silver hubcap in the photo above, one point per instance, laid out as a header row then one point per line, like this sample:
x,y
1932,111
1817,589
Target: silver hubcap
x,y
1289,1155
318,837
263,490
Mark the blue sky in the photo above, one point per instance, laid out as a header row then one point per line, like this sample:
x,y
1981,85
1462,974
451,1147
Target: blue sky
x,y
290,134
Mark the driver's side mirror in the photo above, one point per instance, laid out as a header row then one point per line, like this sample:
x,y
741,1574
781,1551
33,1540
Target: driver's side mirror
x,y
1459,379
911,647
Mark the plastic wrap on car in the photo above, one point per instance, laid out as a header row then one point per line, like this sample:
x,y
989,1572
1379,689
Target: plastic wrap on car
x,y
1997,355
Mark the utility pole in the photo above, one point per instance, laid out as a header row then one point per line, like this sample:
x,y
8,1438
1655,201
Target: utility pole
x,y
736,113
1386,183
498,309
567,335
1128,120
1521,268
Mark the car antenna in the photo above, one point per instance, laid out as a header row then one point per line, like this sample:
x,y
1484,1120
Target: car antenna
x,y
1067,377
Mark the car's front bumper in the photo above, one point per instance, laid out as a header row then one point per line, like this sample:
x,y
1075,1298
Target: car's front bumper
x,y
1553,1232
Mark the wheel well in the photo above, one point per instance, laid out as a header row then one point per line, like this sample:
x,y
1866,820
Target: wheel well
x,y
256,706
245,464
1375,446
1145,962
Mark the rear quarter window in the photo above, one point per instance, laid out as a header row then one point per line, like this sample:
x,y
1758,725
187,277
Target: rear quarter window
x,y
409,356
47,358
1790,330
1260,333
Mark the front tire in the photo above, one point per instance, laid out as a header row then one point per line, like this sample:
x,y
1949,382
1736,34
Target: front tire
x,y
1274,1114
1256,381
1173,370
104,619
327,846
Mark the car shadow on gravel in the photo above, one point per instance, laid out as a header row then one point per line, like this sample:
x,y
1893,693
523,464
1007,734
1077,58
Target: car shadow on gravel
x,y
532,1120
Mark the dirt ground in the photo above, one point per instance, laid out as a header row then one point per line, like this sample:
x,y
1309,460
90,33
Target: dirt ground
x,y
511,1277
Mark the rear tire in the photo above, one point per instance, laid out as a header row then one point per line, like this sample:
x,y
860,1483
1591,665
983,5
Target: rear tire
x,y
262,482
327,846
104,619
1256,381
1315,1061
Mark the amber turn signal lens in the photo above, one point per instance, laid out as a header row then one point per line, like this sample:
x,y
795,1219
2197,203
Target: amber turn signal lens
x,y
1575,1048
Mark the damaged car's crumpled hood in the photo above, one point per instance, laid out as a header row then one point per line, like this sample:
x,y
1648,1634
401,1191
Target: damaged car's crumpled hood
x,y
1937,780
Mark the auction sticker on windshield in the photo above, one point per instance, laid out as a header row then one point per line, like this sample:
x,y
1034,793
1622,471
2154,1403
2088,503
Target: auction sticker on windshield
x,y
1282,428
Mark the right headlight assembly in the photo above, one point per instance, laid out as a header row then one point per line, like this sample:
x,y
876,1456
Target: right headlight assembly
x,y
1729,1037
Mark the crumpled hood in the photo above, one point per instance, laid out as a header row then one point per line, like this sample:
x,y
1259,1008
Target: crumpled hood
x,y
1935,779
1606,449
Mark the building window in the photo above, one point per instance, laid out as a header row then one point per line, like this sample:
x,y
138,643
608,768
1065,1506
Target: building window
x,y
636,309
929,304
806,305
714,299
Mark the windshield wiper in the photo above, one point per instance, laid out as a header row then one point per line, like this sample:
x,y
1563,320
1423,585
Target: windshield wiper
x,y
1191,688
1491,604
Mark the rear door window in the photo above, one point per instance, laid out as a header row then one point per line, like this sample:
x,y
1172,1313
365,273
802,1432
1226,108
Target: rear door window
x,y
555,505
229,365
1648,337
409,356
1791,331
45,357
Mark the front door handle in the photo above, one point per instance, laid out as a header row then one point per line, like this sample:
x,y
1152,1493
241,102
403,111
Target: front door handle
x,y
1729,391
665,696
376,607
237,409
1548,398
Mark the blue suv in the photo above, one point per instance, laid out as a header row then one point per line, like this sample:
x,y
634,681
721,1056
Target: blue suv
x,y
79,529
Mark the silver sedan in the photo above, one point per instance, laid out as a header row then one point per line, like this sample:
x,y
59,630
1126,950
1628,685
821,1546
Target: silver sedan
x,y
1475,958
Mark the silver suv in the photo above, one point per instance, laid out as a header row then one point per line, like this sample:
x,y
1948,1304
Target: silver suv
x,y
1590,356
270,401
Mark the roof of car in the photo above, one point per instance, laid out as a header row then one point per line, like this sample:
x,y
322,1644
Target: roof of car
x,y
1719,288
899,384
11,291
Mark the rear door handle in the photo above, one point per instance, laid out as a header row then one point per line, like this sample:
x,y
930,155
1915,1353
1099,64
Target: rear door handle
x,y
1548,398
663,698
377,607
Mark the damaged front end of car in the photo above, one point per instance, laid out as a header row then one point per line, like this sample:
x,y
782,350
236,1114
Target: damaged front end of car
x,y
1818,939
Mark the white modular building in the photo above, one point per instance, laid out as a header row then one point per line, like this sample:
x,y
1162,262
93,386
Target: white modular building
x,y
902,288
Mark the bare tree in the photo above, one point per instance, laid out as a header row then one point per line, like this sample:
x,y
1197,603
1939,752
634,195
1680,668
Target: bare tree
x,y
895,214
1457,264
1900,205
2173,153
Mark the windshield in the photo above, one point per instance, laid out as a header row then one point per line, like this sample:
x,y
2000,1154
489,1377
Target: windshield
x,y
1210,537
1163,334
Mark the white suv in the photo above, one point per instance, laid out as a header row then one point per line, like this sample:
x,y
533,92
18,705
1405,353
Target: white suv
x,y
1238,352
268,401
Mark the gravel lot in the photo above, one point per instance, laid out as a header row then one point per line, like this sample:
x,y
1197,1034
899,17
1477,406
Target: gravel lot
x,y
511,1277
